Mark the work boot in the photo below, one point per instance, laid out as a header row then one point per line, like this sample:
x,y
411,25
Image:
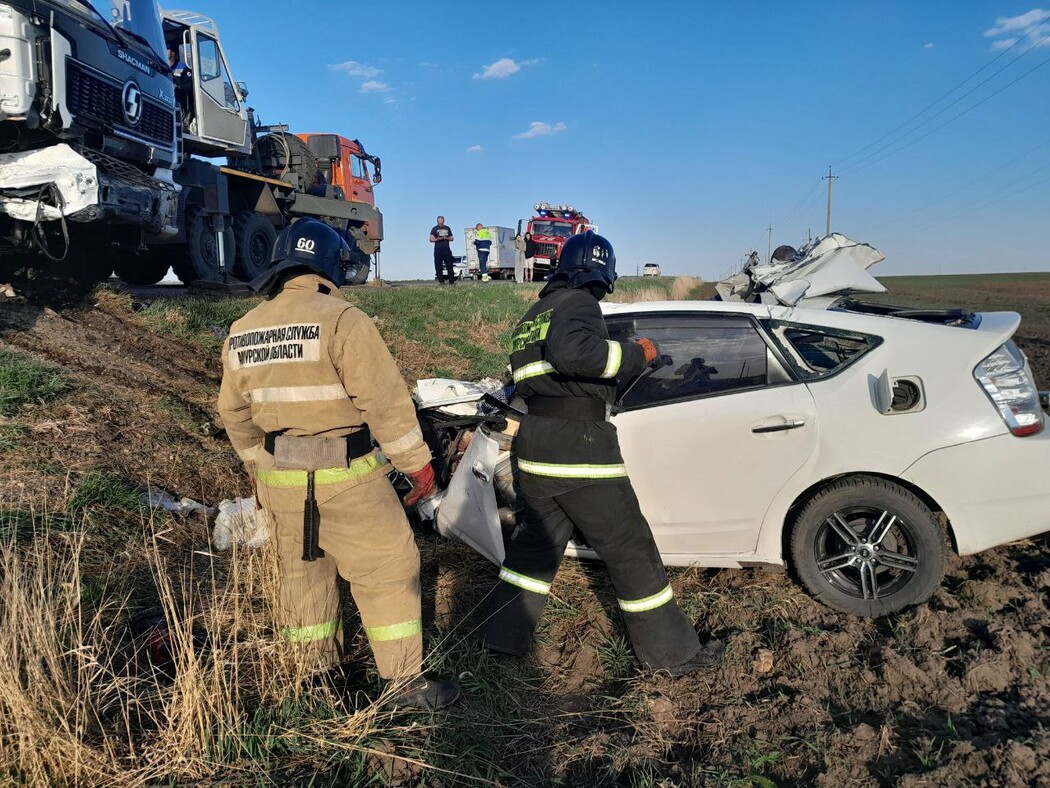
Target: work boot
x,y
709,655
423,694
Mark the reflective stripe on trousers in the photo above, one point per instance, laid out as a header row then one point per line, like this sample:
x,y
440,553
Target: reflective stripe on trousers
x,y
395,631
646,603
524,581
309,634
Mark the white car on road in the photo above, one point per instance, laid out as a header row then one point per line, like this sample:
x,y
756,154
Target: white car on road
x,y
856,442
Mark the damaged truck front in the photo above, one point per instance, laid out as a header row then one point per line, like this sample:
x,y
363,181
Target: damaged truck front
x,y
88,136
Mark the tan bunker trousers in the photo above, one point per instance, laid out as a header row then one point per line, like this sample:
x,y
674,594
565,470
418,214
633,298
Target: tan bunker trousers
x,y
367,540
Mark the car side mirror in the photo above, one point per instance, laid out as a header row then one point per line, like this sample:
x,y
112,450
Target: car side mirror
x,y
242,89
790,293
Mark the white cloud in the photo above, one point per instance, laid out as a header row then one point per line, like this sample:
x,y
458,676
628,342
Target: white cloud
x,y
1032,25
475,149
928,46
540,129
1013,24
503,68
355,69
374,86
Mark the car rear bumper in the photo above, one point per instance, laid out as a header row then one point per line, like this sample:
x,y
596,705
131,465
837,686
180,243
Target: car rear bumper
x,y
994,491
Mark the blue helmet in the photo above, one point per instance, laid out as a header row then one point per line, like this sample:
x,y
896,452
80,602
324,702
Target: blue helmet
x,y
308,244
587,258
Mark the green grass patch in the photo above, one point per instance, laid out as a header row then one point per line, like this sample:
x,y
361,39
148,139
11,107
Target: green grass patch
x,y
461,331
24,524
205,321
11,436
101,490
24,379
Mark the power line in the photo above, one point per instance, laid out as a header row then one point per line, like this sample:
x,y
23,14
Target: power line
x,y
930,106
963,187
860,166
814,187
980,203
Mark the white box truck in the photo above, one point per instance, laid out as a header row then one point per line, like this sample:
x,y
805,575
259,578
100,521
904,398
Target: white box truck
x,y
501,253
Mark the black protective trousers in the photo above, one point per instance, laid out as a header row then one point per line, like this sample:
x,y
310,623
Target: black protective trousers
x,y
609,517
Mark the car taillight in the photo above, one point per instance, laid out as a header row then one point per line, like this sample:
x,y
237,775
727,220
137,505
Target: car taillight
x,y
1007,381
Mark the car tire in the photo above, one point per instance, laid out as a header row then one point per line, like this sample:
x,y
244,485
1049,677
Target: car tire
x,y
868,546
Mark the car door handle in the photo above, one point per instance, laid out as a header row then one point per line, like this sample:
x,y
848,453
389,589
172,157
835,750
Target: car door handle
x,y
788,424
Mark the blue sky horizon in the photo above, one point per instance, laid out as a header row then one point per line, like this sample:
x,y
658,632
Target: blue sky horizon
x,y
684,130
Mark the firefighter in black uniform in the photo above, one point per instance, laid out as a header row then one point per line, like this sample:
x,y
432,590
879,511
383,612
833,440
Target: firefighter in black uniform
x,y
571,472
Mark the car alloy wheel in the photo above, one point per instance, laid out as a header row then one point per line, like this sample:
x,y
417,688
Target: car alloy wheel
x,y
869,546
866,552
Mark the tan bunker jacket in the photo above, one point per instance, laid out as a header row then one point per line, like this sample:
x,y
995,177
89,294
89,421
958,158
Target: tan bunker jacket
x,y
308,363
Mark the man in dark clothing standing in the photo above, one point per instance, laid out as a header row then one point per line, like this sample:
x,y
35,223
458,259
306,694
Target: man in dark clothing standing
x,y
441,237
572,474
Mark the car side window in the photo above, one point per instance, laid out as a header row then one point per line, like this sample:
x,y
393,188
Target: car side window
x,y
819,352
709,354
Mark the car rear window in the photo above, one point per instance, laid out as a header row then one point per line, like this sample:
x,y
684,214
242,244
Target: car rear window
x,y
816,352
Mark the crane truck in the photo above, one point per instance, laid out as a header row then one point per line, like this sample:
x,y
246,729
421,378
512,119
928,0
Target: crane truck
x,y
104,153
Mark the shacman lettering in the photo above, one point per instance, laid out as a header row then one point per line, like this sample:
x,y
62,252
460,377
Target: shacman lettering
x,y
268,336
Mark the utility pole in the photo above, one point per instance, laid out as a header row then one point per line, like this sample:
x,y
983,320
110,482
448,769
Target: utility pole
x,y
769,242
829,178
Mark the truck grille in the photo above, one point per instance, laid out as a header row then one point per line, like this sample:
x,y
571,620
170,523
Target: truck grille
x,y
547,250
99,99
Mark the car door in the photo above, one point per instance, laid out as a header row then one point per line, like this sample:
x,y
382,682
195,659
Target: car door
x,y
712,436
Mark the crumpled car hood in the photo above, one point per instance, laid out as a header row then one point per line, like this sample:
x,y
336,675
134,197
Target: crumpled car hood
x,y
834,265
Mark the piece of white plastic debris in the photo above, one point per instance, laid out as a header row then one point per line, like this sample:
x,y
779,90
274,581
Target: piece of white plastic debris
x,y
156,498
240,522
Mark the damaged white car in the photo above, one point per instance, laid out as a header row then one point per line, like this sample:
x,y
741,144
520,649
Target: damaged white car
x,y
856,442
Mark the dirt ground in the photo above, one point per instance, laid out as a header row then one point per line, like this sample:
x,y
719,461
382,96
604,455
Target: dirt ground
x,y
953,692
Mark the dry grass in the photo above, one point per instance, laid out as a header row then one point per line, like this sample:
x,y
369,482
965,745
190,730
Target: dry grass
x,y
680,289
81,703
685,287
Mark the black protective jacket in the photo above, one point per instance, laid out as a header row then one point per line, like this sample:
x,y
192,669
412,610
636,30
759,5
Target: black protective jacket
x,y
566,367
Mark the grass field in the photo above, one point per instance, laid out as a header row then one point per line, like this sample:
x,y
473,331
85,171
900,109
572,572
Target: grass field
x,y
98,402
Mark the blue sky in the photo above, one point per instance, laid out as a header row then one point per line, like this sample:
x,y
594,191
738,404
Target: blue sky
x,y
682,129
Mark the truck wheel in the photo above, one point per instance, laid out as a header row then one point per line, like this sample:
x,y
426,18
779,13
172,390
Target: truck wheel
x,y
203,247
359,275
140,270
255,237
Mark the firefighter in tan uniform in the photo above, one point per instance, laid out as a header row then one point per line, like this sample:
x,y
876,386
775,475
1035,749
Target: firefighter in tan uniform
x,y
307,384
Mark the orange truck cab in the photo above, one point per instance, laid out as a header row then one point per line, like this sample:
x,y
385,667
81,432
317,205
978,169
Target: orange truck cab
x,y
345,165
551,225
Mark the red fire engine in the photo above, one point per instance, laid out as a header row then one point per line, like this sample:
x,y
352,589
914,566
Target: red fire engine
x,y
551,225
